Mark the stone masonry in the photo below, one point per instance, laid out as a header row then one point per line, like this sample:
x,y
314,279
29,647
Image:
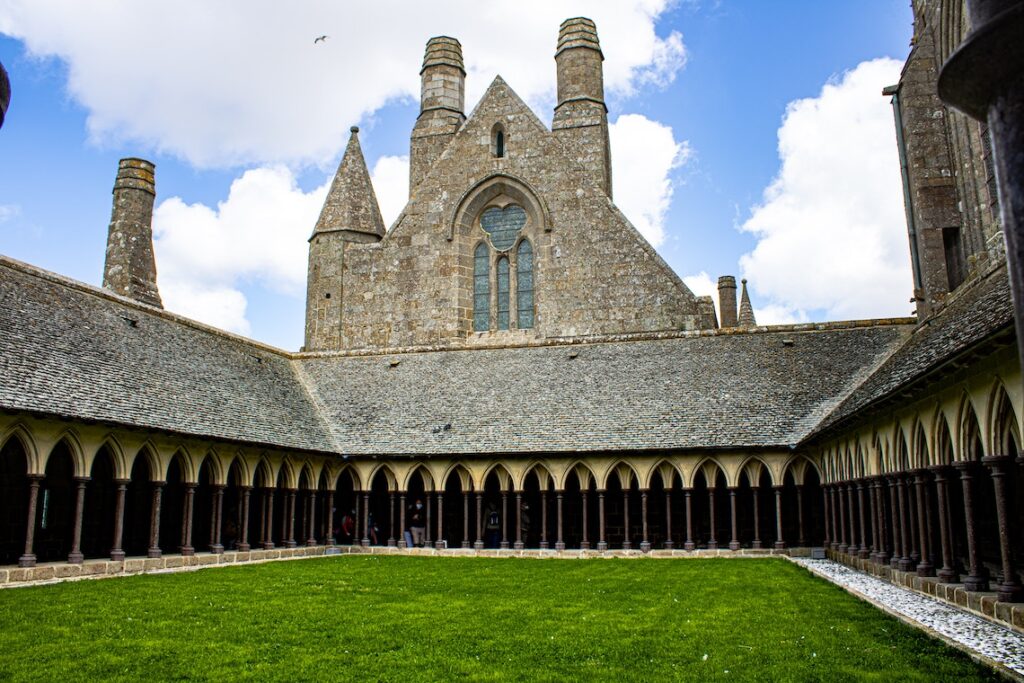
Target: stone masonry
x,y
130,268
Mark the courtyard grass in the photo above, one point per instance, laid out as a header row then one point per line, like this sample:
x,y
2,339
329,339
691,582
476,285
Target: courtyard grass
x,y
402,618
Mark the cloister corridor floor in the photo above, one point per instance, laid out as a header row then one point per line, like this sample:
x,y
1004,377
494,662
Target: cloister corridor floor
x,y
420,618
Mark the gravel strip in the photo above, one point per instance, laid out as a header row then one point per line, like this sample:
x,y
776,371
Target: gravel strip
x,y
991,641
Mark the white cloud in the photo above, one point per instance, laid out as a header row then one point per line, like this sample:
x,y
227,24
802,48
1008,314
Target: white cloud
x,y
830,231
258,234
390,179
644,154
220,84
9,211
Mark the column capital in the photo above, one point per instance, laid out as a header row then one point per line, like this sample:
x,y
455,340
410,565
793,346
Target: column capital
x,y
965,466
82,481
997,463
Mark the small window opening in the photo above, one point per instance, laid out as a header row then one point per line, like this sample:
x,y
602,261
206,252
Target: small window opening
x,y
955,270
498,141
327,295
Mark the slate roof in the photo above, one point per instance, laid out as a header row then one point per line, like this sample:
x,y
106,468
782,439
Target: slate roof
x,y
71,350
75,351
715,391
974,316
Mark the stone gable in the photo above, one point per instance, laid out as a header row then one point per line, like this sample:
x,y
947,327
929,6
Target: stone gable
x,y
593,272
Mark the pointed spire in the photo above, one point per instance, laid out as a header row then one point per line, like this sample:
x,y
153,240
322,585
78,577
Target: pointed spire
x,y
351,204
746,318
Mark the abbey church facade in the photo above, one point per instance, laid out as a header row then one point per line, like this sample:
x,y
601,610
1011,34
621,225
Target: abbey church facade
x,y
512,349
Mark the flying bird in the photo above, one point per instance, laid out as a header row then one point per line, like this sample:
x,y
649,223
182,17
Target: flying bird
x,y
320,39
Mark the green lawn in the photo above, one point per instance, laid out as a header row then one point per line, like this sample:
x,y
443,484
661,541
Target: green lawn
x,y
411,618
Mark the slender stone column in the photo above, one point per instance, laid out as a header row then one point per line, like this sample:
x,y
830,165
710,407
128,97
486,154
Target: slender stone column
x,y
366,517
688,544
117,552
602,543
392,540
668,520
882,553
290,519
906,564
734,542
75,556
946,573
311,518
243,536
912,519
873,511
779,542
428,501
504,520
518,545
215,519
358,524
844,545
828,517
977,575
329,518
154,522
28,558
626,544
865,548
479,543
757,520
401,521
1009,588
585,542
544,520
439,542
186,522
466,543
712,541
559,541
854,548
267,523
645,543
837,529
894,513
924,567
802,537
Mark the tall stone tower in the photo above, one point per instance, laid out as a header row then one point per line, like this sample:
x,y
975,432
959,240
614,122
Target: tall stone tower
x,y
130,268
727,300
350,215
581,117
442,105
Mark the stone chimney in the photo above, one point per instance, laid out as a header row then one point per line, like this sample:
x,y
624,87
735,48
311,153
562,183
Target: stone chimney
x,y
130,268
746,317
727,300
442,106
581,117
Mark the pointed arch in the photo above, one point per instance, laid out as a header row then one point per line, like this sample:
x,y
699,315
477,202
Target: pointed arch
x,y
710,468
942,454
23,435
584,473
971,445
505,479
74,446
113,446
211,460
263,475
424,472
752,468
542,472
1004,431
919,447
389,476
239,465
667,470
797,467
148,452
306,480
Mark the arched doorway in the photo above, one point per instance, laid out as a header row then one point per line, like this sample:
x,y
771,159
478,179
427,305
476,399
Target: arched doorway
x,y
457,507
14,493
55,512
98,517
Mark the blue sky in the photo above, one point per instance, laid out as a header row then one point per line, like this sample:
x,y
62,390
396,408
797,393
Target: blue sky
x,y
244,135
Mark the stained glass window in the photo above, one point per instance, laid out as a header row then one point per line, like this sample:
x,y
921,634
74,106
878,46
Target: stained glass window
x,y
503,225
524,285
481,288
503,292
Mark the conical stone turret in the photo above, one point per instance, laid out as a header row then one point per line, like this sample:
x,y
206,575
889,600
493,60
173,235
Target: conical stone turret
x,y
351,204
746,318
350,214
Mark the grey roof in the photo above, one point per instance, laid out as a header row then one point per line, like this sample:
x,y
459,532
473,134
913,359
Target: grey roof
x,y
976,314
74,351
713,391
